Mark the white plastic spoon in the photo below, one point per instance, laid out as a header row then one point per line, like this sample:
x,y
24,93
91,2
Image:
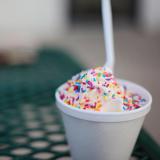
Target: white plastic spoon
x,y
108,33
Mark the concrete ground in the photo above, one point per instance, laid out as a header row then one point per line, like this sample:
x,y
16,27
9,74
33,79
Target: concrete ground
x,y
137,59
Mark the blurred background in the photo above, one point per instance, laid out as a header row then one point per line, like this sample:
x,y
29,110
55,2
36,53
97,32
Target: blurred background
x,y
76,27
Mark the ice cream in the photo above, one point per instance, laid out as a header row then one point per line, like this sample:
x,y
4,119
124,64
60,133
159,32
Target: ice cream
x,y
98,90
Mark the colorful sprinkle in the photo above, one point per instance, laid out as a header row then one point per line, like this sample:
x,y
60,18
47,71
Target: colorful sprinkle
x,y
96,89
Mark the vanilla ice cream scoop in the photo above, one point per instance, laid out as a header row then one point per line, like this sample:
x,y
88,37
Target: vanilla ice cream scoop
x,y
94,89
98,90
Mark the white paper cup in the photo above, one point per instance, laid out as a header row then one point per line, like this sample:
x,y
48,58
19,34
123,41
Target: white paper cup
x,y
103,135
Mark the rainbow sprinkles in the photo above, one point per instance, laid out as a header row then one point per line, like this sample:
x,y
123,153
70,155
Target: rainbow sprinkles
x,y
97,90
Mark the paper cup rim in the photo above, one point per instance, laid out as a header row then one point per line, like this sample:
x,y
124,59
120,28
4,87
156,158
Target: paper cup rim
x,y
107,116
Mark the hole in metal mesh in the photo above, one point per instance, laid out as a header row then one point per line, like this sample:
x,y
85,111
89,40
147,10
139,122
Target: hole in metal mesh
x,y
60,148
65,158
32,124
27,106
48,118
27,109
46,110
56,137
5,158
21,151
29,115
36,134
52,128
43,155
20,140
3,146
39,144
